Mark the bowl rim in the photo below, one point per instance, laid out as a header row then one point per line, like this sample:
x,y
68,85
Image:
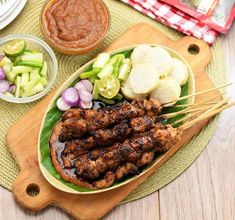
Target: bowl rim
x,y
74,50
58,184
50,52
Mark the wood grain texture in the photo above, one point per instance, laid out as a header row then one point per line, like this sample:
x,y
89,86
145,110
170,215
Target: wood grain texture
x,y
147,208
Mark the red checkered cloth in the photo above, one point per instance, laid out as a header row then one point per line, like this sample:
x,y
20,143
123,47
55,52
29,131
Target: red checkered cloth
x,y
174,18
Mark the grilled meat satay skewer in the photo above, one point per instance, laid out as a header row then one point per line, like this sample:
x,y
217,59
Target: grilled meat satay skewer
x,y
77,128
133,108
106,137
159,139
123,170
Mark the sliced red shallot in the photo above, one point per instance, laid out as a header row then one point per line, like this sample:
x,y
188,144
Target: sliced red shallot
x,y
85,96
62,105
85,105
4,86
2,74
88,85
71,96
80,86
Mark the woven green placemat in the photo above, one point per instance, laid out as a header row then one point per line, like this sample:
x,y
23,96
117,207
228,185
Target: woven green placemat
x,y
122,17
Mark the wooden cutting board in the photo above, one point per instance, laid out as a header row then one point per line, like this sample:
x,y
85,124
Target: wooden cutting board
x,y
22,137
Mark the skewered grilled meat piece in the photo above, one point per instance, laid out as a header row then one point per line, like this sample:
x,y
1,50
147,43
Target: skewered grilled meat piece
x,y
124,170
159,139
106,137
77,127
55,149
92,114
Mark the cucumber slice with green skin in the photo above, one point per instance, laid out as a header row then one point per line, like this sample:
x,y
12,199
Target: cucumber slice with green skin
x,y
43,71
106,71
38,88
44,82
15,48
21,69
5,61
34,74
16,70
30,59
24,79
124,70
7,68
21,92
101,60
18,82
28,89
36,57
29,63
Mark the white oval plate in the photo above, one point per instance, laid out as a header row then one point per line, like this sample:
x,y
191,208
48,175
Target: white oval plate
x,y
8,17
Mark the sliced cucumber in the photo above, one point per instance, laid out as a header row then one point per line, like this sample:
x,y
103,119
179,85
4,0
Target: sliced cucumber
x,y
28,90
106,71
7,67
30,63
101,60
15,48
38,88
44,82
124,69
18,82
34,74
24,79
16,70
30,59
4,61
43,71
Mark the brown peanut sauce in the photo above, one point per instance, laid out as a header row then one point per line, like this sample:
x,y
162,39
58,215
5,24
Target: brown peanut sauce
x,y
75,23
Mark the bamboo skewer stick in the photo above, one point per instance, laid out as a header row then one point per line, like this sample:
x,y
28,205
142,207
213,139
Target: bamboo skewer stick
x,y
187,117
188,105
199,93
203,102
210,114
214,107
185,111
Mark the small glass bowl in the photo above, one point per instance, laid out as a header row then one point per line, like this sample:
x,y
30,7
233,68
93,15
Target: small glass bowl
x,y
34,43
67,50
